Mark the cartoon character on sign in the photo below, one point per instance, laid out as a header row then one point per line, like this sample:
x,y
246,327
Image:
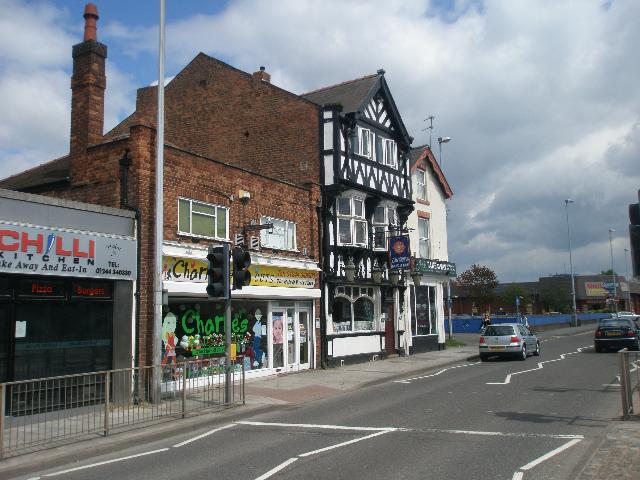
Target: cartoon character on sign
x,y
169,338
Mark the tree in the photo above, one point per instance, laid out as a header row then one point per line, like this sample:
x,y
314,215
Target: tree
x,y
479,282
555,297
608,272
510,292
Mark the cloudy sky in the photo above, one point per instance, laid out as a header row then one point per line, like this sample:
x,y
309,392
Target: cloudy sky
x,y
540,98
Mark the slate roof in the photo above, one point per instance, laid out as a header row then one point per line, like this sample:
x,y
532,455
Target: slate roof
x,y
51,172
350,94
424,152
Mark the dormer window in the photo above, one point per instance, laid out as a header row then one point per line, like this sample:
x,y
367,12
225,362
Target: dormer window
x,y
352,226
366,142
390,152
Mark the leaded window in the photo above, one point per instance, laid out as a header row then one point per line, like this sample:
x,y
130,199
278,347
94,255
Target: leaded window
x,y
353,309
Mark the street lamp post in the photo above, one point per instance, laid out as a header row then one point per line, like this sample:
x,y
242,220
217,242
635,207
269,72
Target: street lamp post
x,y
613,273
574,314
442,140
626,271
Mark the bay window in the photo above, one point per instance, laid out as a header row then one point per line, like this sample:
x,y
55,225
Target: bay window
x,y
352,226
383,216
353,309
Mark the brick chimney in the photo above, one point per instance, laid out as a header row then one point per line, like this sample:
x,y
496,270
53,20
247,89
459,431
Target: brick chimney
x,y
87,88
262,75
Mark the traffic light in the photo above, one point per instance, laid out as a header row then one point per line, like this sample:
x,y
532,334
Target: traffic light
x,y
241,263
218,272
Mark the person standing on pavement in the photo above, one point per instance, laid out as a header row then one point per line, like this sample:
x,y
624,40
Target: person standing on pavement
x,y
486,321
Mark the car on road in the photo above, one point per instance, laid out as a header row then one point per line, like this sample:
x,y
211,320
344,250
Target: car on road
x,y
508,339
617,333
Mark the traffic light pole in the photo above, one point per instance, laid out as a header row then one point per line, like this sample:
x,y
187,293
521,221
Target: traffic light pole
x,y
227,364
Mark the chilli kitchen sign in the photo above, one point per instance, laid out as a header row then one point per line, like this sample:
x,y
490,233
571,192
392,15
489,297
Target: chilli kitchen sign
x,y
48,251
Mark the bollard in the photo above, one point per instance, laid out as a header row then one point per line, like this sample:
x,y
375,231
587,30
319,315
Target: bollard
x,y
624,382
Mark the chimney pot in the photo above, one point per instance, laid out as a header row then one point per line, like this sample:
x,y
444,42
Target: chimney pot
x,y
262,75
381,71
90,22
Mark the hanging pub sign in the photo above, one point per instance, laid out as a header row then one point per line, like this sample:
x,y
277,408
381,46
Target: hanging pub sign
x,y
28,249
428,265
399,254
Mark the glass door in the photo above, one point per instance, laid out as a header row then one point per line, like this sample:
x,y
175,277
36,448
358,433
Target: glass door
x,y
292,337
304,334
277,328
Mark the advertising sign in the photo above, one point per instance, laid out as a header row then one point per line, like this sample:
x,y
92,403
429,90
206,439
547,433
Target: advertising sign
x,y
599,289
399,255
178,269
68,253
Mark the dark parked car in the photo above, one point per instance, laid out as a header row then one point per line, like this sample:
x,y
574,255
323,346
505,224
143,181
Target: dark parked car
x,y
512,339
617,333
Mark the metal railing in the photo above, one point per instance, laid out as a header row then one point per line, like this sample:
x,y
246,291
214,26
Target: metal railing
x,y
46,412
629,380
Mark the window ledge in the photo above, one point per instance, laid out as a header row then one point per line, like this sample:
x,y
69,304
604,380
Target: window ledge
x,y
423,201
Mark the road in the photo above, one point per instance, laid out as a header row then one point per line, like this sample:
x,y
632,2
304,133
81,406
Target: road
x,y
502,419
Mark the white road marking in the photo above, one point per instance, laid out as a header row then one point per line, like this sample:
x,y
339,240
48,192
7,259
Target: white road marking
x,y
104,463
499,434
277,469
356,440
552,453
517,476
409,380
330,427
539,367
204,435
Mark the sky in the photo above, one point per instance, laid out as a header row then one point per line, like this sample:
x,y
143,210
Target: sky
x,y
540,99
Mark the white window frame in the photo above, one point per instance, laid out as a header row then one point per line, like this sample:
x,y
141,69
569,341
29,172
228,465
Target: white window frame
x,y
424,240
390,152
355,294
366,136
218,208
421,184
289,233
354,220
389,219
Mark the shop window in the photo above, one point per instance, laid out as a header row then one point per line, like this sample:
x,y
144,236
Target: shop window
x,y
198,219
353,309
196,330
423,312
282,236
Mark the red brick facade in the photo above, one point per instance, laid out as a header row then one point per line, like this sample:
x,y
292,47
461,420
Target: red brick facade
x,y
225,131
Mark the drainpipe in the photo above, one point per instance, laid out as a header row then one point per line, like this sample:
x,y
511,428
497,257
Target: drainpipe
x,y
323,282
125,163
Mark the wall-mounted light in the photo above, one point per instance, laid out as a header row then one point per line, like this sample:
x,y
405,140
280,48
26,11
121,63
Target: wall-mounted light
x,y
376,273
394,277
350,270
416,277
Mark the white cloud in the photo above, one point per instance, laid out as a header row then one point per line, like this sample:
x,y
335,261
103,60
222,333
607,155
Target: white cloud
x,y
539,99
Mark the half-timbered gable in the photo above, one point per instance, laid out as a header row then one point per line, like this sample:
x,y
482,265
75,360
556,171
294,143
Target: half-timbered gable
x,y
366,182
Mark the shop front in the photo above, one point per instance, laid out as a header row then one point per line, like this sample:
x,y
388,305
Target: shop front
x,y
66,287
427,303
272,320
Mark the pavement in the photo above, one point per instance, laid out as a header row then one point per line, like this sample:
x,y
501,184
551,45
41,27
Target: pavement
x,y
617,457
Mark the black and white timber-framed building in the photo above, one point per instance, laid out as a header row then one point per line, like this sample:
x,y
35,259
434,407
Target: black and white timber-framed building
x,y
367,197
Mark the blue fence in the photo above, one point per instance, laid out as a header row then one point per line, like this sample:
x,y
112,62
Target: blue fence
x,y
472,324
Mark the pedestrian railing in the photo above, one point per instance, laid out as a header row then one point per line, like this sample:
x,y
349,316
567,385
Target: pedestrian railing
x,y
43,413
629,380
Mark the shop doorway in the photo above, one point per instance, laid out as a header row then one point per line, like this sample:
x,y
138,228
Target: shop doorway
x,y
389,330
291,337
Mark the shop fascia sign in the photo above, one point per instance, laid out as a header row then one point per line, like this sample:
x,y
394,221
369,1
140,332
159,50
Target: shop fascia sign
x,y
27,249
178,269
600,289
428,265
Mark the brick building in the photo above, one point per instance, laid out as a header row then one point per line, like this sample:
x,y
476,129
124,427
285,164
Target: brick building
x,y
239,153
